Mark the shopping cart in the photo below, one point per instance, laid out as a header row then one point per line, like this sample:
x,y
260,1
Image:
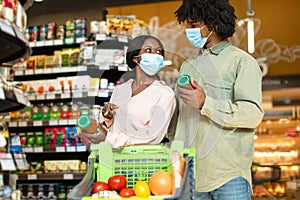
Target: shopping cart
x,y
136,162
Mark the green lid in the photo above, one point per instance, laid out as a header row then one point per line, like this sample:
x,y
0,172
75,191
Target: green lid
x,y
183,80
84,121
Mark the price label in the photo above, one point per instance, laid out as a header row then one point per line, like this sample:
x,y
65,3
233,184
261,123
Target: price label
x,y
63,122
81,148
40,43
39,71
28,150
123,39
81,68
49,43
60,149
48,70
68,176
77,95
79,40
32,44
69,40
38,123
31,97
32,176
12,124
123,68
40,97
72,122
53,122
50,96
103,93
22,124
38,149
29,72
104,66
71,149
56,70
19,73
58,42
65,95
92,93
100,37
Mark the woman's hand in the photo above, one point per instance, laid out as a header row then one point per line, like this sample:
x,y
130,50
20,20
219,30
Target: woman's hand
x,y
108,112
97,137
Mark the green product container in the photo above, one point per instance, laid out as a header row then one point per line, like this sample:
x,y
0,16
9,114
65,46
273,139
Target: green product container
x,y
183,80
84,121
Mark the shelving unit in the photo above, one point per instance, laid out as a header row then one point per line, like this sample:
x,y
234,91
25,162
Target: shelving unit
x,y
277,144
36,154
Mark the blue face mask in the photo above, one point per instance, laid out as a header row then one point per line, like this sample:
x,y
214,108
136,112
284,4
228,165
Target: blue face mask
x,y
194,37
151,63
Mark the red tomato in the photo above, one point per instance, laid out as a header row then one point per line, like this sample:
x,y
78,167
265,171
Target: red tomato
x,y
117,182
127,192
100,186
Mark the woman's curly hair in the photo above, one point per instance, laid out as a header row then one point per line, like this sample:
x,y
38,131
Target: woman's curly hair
x,y
218,15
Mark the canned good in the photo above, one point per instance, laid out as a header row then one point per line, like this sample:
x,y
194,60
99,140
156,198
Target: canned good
x,y
79,33
70,24
51,31
60,32
80,23
43,32
96,111
94,27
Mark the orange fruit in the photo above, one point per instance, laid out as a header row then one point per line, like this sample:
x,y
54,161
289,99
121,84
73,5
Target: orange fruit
x,y
141,189
160,183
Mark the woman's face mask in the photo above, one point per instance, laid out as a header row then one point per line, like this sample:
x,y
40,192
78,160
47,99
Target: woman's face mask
x,y
195,38
151,63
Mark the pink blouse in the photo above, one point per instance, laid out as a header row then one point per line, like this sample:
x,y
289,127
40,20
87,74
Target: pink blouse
x,y
143,118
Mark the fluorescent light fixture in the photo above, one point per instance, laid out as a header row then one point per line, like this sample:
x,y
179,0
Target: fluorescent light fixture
x,y
250,26
38,0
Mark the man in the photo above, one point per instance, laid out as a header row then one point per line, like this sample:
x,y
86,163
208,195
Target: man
x,y
219,115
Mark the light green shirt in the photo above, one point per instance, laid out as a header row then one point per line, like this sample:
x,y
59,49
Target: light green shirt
x,y
222,131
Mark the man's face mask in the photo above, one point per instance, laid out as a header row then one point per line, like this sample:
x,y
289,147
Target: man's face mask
x,y
195,38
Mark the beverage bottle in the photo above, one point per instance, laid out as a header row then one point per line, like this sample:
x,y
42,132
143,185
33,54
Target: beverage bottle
x,y
184,81
87,123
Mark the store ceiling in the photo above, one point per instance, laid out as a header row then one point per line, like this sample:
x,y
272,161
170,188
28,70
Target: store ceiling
x,y
54,6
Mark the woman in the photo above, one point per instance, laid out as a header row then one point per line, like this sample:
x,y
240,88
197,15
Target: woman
x,y
140,110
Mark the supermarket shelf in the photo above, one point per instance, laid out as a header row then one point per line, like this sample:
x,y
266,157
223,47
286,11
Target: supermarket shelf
x,y
14,45
38,123
54,149
51,176
73,69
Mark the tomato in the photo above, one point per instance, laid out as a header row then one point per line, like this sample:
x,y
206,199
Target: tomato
x,y
160,183
117,182
127,192
99,186
141,189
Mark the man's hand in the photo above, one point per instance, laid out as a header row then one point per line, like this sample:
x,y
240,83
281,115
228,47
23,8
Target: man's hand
x,y
194,97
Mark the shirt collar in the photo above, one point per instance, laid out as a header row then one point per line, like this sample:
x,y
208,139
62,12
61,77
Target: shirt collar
x,y
216,49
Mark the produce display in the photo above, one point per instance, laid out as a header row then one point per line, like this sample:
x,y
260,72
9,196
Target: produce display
x,y
138,171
